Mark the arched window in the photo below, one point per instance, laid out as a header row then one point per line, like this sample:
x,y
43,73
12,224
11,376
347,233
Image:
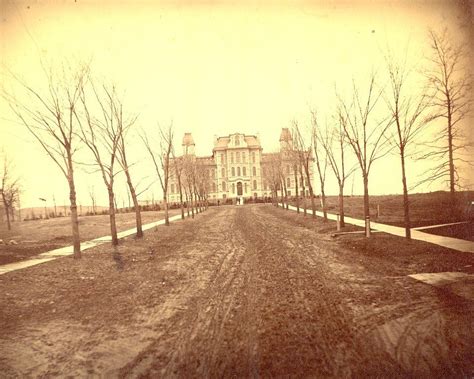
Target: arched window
x,y
223,172
233,171
232,157
254,171
223,186
238,171
233,188
254,184
237,155
253,157
244,171
243,157
237,140
288,181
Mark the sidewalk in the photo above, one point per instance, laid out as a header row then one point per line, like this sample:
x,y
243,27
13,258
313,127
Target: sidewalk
x,y
451,243
69,250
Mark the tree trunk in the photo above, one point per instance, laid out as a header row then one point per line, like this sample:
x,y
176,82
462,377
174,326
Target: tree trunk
x,y
296,189
406,204
113,226
341,204
313,207
138,216
187,204
165,203
192,203
181,202
323,202
74,218
451,166
7,213
366,196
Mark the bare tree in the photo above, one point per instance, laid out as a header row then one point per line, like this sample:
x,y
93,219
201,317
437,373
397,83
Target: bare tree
x,y
409,111
122,159
102,135
177,171
321,162
9,189
452,84
189,170
49,116
334,143
162,163
366,135
92,197
306,160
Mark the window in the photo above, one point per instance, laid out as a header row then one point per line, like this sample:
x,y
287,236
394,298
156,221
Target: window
x,y
233,171
213,187
289,193
288,181
253,157
237,140
244,171
222,158
223,172
223,186
254,184
243,157
233,188
238,171
232,157
254,171
172,187
237,155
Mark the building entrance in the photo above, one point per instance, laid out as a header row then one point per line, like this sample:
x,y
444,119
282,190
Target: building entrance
x,y
239,189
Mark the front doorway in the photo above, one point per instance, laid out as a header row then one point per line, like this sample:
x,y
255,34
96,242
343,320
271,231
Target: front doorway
x,y
239,189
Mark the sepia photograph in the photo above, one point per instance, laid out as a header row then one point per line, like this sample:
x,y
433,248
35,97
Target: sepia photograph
x,y
237,189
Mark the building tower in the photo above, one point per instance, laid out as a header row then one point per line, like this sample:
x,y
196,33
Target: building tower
x,y
286,140
188,144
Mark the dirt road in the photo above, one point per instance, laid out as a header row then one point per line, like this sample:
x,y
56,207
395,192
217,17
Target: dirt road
x,y
238,292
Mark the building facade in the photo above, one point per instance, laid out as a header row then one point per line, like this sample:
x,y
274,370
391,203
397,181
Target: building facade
x,y
238,168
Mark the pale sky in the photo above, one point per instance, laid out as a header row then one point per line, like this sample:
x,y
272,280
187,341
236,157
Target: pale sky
x,y
212,69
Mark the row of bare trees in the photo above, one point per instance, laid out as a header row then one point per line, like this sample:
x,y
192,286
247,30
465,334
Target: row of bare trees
x,y
74,112
390,116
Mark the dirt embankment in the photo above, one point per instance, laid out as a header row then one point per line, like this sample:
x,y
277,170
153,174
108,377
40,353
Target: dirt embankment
x,y
239,291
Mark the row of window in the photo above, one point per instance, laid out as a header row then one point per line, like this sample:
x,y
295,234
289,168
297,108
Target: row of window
x,y
238,156
238,171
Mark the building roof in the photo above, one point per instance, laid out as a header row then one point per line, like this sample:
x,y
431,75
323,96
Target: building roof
x,y
188,139
285,135
250,142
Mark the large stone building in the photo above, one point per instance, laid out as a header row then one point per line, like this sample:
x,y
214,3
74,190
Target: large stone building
x,y
237,167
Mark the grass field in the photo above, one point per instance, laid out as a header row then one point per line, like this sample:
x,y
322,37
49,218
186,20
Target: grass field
x,y
425,208
38,236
